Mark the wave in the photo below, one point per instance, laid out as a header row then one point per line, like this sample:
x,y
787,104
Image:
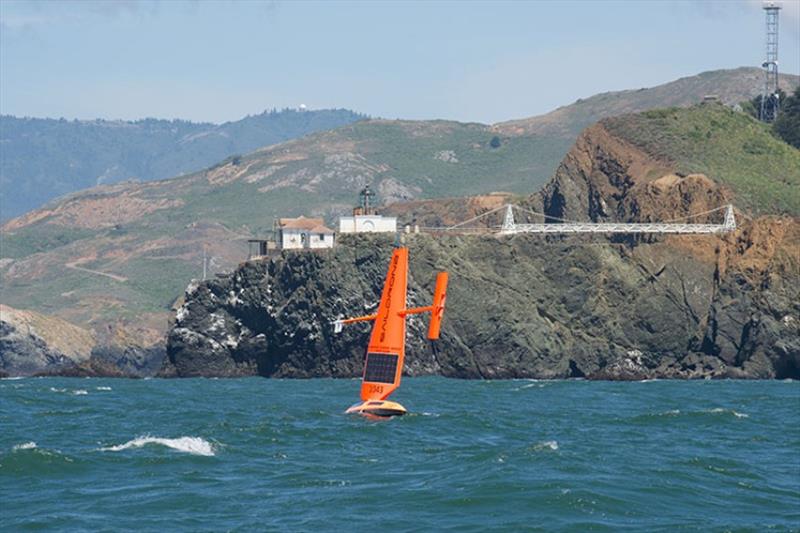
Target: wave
x,y
192,445
536,383
102,388
545,445
718,410
76,392
24,446
672,413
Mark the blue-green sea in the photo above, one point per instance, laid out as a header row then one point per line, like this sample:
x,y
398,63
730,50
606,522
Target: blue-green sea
x,y
261,455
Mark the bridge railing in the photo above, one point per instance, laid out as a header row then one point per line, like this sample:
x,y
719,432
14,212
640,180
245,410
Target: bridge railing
x,y
511,227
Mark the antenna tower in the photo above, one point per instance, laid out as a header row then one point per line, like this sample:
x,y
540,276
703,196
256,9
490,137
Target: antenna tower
x,y
770,100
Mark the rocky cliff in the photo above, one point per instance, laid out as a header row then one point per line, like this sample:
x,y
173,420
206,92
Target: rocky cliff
x,y
530,306
518,307
33,343
30,342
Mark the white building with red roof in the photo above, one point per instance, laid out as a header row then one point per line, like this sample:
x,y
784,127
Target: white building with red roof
x,y
304,233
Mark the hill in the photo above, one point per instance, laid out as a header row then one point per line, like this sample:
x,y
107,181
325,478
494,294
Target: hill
x,y
117,256
732,86
125,251
762,171
45,158
653,163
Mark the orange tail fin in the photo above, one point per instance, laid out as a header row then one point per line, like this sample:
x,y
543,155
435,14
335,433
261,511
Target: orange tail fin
x,y
437,311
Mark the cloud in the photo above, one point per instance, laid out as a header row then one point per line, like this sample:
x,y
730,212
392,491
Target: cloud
x,y
16,15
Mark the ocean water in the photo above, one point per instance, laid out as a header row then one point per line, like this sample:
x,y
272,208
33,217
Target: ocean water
x,y
259,454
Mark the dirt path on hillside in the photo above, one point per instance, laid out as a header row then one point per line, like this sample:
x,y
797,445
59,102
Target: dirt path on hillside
x,y
74,265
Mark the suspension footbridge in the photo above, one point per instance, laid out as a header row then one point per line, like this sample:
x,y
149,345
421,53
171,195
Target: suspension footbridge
x,y
554,225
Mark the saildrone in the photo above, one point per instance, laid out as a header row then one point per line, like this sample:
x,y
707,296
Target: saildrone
x,y
383,366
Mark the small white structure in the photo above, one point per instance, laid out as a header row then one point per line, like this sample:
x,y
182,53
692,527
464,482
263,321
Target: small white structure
x,y
304,233
365,219
367,224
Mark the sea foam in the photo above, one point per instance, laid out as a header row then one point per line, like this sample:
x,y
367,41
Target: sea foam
x,y
24,446
546,445
731,411
192,445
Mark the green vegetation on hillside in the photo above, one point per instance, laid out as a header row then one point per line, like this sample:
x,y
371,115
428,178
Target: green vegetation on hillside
x,y
455,159
729,147
46,158
146,239
731,86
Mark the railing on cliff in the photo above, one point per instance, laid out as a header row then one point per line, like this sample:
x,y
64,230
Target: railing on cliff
x,y
556,225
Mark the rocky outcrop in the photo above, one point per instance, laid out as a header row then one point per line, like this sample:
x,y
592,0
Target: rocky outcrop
x,y
517,307
605,178
527,305
32,343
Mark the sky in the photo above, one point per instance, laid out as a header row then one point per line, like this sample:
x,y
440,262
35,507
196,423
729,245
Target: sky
x,y
217,61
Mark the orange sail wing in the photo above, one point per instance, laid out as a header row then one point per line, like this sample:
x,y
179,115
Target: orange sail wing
x,y
386,350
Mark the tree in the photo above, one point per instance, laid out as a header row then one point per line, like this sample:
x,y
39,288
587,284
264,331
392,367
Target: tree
x,y
495,142
787,125
753,107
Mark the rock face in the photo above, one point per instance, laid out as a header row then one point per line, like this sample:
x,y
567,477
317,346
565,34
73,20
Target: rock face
x,y
604,178
35,344
517,307
527,305
31,342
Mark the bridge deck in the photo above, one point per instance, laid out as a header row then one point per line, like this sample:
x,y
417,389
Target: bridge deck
x,y
510,227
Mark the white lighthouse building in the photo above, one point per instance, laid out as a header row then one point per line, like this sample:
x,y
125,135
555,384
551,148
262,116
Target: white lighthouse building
x,y
365,219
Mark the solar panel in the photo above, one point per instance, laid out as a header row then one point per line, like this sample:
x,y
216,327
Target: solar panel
x,y
381,367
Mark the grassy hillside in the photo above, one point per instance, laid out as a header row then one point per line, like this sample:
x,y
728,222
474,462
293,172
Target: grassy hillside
x,y
729,147
732,86
46,158
126,251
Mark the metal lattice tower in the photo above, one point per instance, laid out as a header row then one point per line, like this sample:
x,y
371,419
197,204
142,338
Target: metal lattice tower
x,y
770,100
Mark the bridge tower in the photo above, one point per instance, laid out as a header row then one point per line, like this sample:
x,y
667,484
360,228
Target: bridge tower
x,y
770,101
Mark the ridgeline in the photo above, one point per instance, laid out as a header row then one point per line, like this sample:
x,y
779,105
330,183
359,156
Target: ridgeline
x,y
114,259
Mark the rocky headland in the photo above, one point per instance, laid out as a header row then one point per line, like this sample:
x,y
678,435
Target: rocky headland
x,y
710,306
527,306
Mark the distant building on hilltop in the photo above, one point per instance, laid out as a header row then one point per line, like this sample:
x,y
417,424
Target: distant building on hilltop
x,y
302,232
365,219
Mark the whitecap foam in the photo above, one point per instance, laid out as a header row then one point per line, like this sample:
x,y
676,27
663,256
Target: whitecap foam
x,y
80,392
546,445
192,445
24,446
731,411
53,389
102,388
